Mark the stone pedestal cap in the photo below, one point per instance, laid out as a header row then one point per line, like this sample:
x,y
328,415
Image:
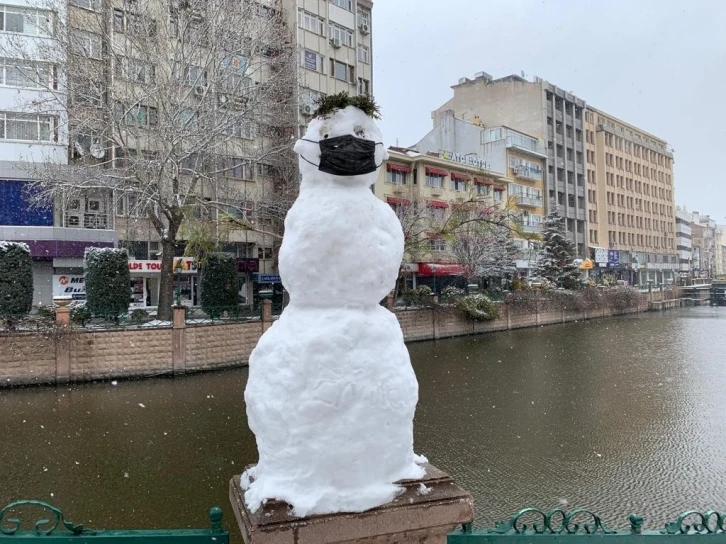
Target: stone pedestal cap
x,y
424,513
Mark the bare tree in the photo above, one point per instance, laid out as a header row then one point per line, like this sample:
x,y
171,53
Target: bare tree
x,y
485,250
173,109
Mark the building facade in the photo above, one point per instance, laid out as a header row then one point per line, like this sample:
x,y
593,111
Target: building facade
x,y
632,213
427,191
516,157
545,112
57,239
684,243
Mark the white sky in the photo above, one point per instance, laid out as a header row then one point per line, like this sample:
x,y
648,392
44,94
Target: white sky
x,y
657,64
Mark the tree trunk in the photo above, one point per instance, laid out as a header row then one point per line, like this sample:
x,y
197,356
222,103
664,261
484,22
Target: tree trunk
x,y
166,283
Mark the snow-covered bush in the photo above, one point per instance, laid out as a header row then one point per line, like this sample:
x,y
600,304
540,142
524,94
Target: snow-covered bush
x,y
608,280
219,285
622,298
451,293
16,279
108,281
478,307
421,296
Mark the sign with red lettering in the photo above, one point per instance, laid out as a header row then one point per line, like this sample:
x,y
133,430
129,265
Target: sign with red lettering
x,y
182,265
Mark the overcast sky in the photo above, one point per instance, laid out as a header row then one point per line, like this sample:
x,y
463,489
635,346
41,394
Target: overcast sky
x,y
657,64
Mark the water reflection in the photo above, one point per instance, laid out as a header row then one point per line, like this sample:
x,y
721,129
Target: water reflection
x,y
618,415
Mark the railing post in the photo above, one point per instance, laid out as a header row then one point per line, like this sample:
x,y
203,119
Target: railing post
x,y
62,345
266,314
179,341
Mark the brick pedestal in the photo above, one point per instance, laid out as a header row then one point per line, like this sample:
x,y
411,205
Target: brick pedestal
x,y
413,517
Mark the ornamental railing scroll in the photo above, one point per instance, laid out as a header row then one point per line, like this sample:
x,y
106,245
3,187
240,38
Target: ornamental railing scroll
x,y
54,526
555,524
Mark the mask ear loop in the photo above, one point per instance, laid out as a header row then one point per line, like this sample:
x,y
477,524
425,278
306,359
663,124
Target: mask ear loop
x,y
309,162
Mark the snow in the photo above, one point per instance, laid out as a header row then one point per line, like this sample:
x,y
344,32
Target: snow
x,y
6,246
331,393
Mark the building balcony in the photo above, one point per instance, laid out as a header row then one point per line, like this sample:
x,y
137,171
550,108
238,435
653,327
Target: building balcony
x,y
570,166
580,169
580,238
50,242
578,146
569,142
561,210
531,228
581,214
580,191
529,201
559,116
525,173
561,186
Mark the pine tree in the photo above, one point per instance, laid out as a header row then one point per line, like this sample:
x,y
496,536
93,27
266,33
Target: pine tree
x,y
16,279
556,260
219,285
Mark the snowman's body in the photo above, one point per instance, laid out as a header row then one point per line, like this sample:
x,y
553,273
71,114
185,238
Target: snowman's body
x,y
331,393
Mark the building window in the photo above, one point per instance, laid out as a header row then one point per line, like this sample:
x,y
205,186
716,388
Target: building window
x,y
498,194
481,190
364,18
364,86
133,24
241,129
345,4
237,168
264,253
134,70
29,75
364,54
34,22
458,184
340,70
28,127
344,35
94,5
86,44
437,244
396,177
311,22
313,61
137,116
434,180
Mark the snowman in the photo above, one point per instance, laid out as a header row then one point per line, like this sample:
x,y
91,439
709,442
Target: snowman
x,y
331,392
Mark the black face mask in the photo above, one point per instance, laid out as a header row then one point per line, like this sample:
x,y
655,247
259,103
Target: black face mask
x,y
346,155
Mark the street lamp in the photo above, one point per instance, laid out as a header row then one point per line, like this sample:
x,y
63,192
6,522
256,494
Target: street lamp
x,y
178,270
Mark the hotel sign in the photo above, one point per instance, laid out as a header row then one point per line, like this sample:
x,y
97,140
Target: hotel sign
x,y
468,160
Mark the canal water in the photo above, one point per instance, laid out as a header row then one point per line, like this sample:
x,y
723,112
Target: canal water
x,y
619,415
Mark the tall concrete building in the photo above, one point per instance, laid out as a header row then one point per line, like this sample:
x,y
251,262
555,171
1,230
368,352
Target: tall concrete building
x,y
684,243
335,40
632,213
545,112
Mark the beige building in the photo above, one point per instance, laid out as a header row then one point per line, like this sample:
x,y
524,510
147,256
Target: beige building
x,y
427,190
335,39
631,207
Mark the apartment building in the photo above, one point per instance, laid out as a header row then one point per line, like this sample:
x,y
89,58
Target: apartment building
x,y
335,40
518,158
632,213
30,134
542,111
427,190
684,242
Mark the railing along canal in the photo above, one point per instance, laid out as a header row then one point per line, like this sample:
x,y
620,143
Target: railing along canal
x,y
579,526
55,528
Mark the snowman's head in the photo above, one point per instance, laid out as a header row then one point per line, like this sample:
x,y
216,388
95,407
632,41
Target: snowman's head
x,y
345,147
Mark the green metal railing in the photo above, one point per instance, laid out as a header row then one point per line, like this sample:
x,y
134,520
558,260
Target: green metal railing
x,y
56,528
530,526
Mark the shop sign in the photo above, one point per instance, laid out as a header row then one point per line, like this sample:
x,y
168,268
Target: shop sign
x,y
69,286
587,264
409,267
613,258
601,256
468,160
440,269
268,278
188,266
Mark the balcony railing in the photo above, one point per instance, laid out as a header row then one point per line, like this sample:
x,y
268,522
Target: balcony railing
x,y
523,200
525,173
531,227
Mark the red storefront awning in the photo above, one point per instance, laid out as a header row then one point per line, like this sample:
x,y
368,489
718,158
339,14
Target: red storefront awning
x,y
436,172
462,177
440,269
437,204
500,188
398,201
483,181
398,168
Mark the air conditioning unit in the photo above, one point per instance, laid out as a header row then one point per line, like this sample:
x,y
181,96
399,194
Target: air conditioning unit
x,y
364,28
222,99
267,51
335,42
73,220
306,109
240,101
199,90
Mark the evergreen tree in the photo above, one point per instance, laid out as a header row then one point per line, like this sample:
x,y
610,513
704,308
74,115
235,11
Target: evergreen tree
x,y
108,281
16,279
219,284
556,260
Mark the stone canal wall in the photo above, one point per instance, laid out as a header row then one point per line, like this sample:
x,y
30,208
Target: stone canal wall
x,y
70,355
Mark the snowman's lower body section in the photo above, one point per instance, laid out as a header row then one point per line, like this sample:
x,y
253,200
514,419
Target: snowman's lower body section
x,y
331,397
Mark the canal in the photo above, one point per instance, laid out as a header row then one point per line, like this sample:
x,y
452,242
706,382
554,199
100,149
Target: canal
x,y
620,415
